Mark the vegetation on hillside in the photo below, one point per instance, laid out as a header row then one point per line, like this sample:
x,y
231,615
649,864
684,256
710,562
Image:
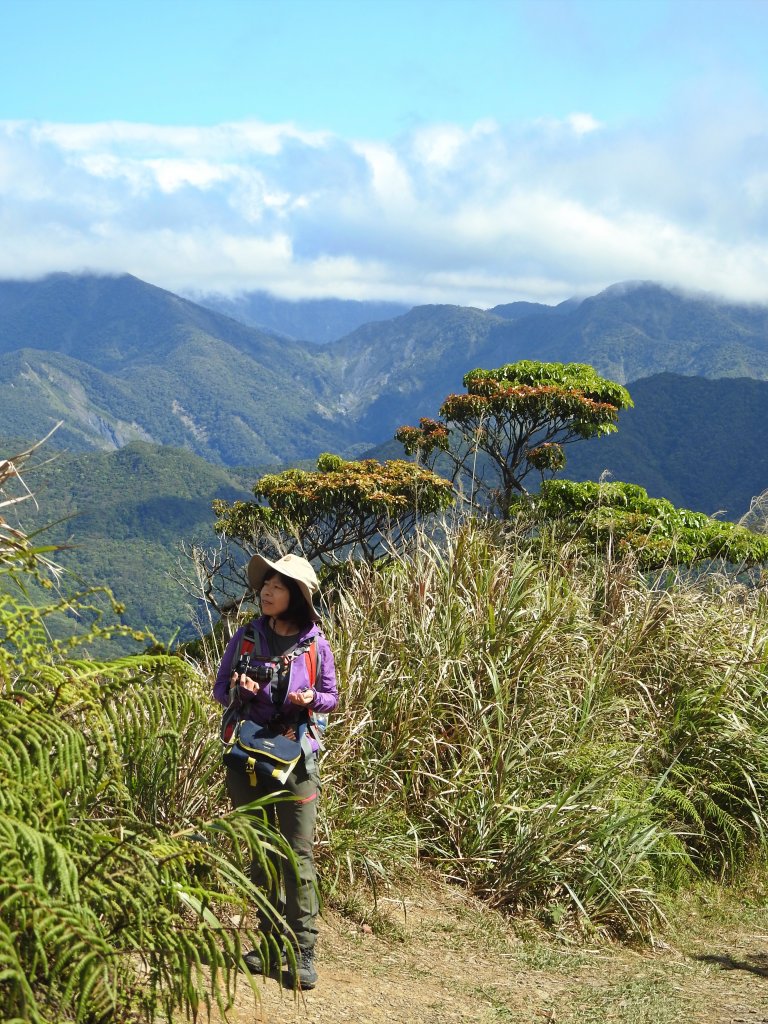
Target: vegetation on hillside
x,y
699,443
549,729
122,360
526,709
120,518
341,510
546,724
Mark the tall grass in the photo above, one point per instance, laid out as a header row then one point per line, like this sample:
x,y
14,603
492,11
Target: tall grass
x,y
560,735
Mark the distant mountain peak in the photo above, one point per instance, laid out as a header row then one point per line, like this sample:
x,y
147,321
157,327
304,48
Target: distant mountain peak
x,y
630,287
317,320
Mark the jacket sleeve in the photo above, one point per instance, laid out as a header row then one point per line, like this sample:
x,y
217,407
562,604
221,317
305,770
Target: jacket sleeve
x,y
221,686
326,690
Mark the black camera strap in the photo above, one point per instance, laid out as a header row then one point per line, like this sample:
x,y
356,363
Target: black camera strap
x,y
245,648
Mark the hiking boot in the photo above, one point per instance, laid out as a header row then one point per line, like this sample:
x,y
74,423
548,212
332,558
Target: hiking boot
x,y
303,974
258,963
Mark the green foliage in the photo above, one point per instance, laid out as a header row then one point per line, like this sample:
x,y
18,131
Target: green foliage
x,y
541,725
700,443
548,730
577,391
362,508
123,893
120,877
120,518
621,518
517,417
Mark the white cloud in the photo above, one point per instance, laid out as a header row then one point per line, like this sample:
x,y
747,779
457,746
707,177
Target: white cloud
x,y
389,180
583,124
476,216
227,140
440,145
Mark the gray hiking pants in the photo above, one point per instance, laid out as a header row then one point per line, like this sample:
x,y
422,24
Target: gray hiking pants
x,y
296,898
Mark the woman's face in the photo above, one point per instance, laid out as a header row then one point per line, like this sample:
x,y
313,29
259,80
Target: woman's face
x,y
275,596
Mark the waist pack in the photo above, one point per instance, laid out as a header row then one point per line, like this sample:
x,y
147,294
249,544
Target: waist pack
x,y
257,750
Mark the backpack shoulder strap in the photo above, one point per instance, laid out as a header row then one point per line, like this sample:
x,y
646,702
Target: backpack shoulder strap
x,y
316,723
312,656
249,639
311,652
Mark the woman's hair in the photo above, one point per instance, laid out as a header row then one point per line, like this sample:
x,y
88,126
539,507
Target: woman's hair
x,y
298,610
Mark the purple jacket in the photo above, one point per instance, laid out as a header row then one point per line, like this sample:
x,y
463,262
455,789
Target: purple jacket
x,y
258,706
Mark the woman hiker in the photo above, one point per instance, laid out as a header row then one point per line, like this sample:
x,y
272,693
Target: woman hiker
x,y
285,695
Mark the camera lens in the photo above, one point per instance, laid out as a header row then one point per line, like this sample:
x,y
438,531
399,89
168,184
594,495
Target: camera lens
x,y
261,673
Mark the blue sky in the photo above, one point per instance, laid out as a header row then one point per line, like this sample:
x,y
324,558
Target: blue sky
x,y
469,152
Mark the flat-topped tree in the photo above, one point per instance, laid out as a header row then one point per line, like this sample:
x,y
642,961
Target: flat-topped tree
x,y
514,421
361,508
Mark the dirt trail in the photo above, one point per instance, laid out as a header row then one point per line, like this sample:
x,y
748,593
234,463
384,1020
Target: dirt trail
x,y
451,960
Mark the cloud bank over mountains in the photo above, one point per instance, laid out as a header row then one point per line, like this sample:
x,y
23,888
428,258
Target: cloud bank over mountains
x,y
476,216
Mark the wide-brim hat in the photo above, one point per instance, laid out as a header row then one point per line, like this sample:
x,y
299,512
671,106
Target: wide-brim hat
x,y
293,566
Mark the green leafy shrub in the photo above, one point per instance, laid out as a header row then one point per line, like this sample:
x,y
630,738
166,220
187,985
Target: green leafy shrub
x,y
360,507
123,891
620,517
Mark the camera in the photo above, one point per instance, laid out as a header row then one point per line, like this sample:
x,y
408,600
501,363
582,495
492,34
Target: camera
x,y
260,672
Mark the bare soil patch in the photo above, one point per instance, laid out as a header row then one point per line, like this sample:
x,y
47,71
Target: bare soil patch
x,y
446,959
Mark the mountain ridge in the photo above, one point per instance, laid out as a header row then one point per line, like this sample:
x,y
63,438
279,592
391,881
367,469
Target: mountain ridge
x,y
146,364
157,370
317,320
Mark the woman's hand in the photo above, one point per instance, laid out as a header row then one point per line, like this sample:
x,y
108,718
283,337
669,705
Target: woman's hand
x,y
245,681
301,697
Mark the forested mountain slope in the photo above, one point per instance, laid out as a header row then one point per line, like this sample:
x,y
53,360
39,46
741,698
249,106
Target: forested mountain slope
x,y
122,516
120,360
701,443
395,371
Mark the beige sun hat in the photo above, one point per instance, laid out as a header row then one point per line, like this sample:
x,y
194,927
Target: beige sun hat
x,y
293,566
